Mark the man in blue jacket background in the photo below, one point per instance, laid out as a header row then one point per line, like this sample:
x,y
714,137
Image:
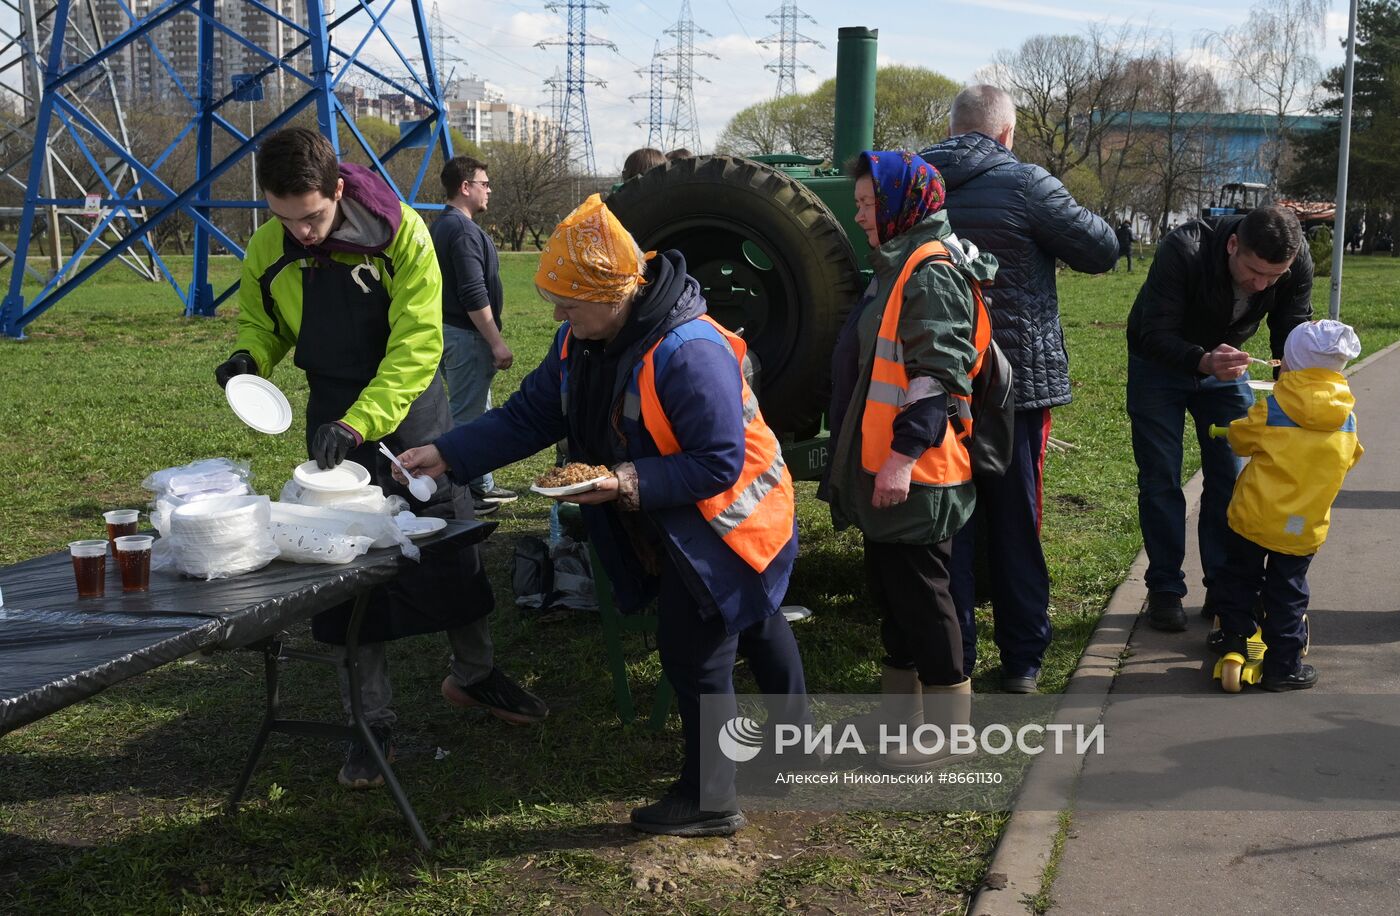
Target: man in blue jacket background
x,y
1023,215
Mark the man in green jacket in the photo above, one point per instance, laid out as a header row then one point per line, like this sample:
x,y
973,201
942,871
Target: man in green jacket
x,y
347,276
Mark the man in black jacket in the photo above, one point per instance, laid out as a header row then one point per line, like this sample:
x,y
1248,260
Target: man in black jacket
x,y
1211,284
1023,215
1125,245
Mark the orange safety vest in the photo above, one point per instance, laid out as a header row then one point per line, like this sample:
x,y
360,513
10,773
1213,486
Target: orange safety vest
x,y
946,464
754,516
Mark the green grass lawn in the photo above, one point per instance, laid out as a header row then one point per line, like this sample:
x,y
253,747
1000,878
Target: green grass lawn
x,y
114,805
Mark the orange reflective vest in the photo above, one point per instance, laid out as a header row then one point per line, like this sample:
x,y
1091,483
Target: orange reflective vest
x,y
946,464
754,516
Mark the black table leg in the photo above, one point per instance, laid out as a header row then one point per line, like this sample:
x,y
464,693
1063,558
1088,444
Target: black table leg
x,y
272,650
352,644
358,731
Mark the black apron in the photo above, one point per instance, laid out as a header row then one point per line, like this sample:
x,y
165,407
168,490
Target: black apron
x,y
343,337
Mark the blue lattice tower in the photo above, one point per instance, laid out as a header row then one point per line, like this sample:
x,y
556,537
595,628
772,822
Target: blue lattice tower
x,y
574,108
685,123
655,95
100,97
788,38
311,64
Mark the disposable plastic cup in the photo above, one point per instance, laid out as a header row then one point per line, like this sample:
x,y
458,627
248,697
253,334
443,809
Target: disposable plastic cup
x,y
134,557
89,567
120,522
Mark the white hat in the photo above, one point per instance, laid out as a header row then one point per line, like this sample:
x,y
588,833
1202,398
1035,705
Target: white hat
x,y
1324,344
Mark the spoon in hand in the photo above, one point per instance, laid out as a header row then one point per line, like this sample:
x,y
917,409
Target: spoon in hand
x,y
422,488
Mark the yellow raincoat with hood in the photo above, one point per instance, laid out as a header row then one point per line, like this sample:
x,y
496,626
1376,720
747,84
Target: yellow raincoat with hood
x,y
1301,441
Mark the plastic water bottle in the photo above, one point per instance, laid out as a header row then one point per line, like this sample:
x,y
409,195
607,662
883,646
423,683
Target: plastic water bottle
x,y
556,528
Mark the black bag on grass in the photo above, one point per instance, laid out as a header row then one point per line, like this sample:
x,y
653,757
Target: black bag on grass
x,y
532,573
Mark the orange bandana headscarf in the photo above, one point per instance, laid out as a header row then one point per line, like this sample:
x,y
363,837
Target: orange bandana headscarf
x,y
591,257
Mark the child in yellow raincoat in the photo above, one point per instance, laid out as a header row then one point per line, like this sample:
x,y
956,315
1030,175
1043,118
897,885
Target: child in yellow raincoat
x,y
1301,441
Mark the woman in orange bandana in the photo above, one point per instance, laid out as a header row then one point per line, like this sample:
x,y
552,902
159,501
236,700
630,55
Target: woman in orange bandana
x,y
699,514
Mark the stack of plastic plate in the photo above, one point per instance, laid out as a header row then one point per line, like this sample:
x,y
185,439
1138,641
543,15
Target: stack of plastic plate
x,y
226,535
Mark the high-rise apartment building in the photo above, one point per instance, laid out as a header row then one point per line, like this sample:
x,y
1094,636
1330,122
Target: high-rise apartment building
x,y
480,111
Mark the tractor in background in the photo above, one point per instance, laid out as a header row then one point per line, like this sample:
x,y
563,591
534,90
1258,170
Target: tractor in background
x,y
773,242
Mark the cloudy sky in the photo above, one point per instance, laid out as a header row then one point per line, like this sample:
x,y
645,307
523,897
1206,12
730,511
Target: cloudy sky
x,y
496,41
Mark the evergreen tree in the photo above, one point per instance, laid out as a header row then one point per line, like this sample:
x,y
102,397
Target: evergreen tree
x,y
1373,181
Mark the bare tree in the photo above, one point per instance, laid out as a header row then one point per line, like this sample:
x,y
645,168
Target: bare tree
x,y
1118,154
1273,65
531,192
1069,90
1178,157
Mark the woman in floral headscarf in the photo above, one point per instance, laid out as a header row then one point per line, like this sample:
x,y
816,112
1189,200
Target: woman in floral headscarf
x,y
899,472
699,514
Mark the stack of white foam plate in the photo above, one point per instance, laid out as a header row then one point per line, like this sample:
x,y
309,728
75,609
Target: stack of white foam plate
x,y
215,521
222,536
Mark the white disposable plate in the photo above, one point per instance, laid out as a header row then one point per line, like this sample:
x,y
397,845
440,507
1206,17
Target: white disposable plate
x,y
795,612
571,489
259,403
348,475
419,526
1261,384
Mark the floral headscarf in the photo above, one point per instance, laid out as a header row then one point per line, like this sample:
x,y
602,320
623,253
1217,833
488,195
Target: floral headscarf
x,y
591,257
906,190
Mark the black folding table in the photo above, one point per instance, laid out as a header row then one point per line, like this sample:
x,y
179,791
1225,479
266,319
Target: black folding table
x,y
57,649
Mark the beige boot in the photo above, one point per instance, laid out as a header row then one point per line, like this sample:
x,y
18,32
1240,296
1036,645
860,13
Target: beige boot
x,y
904,709
943,706
896,685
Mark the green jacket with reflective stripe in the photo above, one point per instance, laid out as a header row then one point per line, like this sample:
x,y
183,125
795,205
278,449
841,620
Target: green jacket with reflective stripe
x,y
935,329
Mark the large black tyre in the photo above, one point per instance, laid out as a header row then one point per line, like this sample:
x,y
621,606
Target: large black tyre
x,y
771,259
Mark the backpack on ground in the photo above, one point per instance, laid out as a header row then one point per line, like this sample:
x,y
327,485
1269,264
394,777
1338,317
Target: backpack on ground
x,y
548,578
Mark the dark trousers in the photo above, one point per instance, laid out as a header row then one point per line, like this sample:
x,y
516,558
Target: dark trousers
x,y
919,625
1009,512
1124,253
1158,400
698,658
1280,581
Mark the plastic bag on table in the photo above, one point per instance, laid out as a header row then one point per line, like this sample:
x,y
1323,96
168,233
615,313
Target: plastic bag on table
x,y
220,476
217,538
208,478
305,544
365,499
335,522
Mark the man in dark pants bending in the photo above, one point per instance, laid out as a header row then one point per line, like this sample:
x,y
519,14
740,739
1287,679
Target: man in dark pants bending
x,y
1208,289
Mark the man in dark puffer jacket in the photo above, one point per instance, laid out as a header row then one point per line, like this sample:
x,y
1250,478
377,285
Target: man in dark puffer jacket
x,y
1024,216
1211,284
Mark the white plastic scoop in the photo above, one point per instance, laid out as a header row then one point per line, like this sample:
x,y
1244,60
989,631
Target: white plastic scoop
x,y
422,488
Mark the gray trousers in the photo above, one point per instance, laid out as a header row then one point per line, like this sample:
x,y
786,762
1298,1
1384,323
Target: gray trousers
x,y
468,366
472,660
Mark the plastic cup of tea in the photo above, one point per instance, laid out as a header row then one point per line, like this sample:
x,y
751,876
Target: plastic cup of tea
x,y
89,567
120,523
134,558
